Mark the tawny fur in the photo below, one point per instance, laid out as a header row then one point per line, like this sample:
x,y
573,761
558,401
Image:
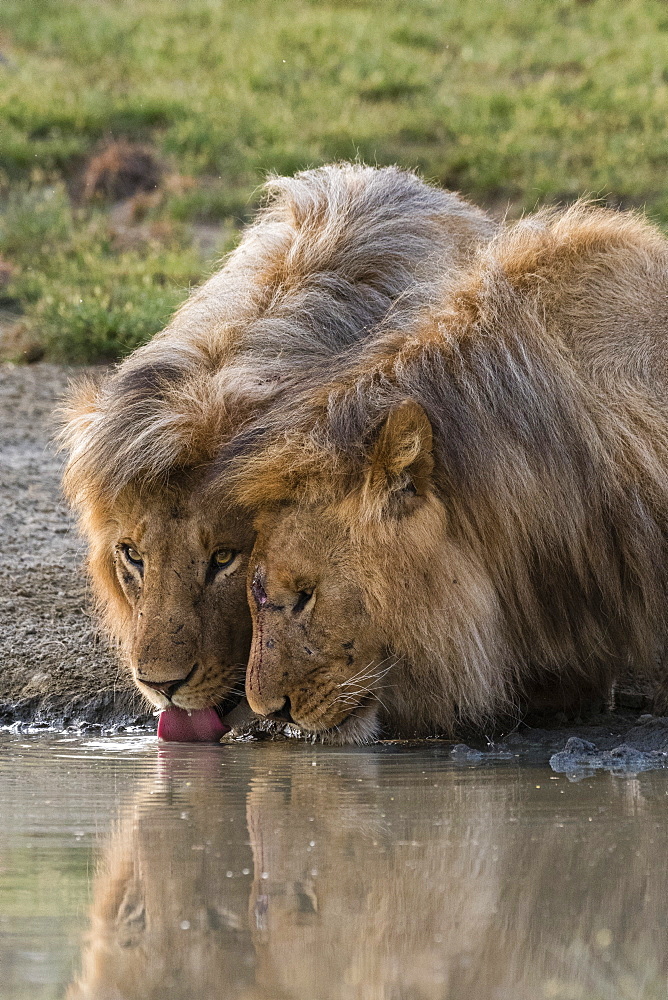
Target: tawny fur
x,y
492,487
334,253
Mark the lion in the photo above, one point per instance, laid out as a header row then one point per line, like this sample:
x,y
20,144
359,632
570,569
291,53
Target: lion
x,y
470,521
335,252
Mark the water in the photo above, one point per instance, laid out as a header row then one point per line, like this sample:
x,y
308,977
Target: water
x,y
285,872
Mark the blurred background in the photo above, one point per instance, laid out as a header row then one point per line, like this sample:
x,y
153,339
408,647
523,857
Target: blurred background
x,y
134,134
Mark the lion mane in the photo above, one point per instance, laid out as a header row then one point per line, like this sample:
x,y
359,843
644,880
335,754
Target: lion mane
x,y
496,482
333,253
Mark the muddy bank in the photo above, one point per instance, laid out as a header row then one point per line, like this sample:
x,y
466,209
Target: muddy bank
x,y
56,667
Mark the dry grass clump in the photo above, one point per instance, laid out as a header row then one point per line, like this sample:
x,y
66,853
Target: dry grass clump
x,y
121,170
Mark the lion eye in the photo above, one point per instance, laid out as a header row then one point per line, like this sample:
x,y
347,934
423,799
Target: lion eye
x,y
132,555
303,597
223,558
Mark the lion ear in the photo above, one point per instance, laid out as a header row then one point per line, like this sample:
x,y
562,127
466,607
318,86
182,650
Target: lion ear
x,y
401,457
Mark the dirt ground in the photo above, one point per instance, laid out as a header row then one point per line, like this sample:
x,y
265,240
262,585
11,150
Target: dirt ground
x,y
56,667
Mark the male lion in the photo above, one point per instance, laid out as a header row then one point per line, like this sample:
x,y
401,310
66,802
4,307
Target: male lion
x,y
334,252
472,519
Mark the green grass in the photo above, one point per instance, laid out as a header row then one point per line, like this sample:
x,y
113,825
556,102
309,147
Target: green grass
x,y
510,102
85,299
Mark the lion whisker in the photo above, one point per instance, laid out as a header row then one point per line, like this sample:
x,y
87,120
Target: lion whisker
x,y
356,688
372,675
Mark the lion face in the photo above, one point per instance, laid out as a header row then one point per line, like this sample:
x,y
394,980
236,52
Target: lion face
x,y
317,656
329,581
179,568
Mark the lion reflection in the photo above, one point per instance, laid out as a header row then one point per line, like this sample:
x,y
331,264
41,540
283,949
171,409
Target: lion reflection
x,y
434,886
166,921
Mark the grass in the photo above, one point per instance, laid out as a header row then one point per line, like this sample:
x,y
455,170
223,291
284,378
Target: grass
x,y
84,297
513,102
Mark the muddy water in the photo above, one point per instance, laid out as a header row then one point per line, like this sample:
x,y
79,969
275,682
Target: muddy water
x,y
283,872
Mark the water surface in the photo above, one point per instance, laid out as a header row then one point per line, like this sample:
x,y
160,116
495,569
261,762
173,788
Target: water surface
x,y
267,871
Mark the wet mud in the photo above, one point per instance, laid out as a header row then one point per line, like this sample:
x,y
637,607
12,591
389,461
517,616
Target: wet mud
x,y
579,759
56,667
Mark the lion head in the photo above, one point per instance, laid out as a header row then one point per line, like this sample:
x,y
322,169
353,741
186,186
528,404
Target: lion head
x,y
344,591
468,521
173,573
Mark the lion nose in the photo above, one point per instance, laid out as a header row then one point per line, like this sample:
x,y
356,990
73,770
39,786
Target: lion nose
x,y
284,713
168,688
164,687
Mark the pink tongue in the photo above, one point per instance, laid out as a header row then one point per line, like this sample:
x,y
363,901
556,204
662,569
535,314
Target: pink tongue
x,y
201,725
